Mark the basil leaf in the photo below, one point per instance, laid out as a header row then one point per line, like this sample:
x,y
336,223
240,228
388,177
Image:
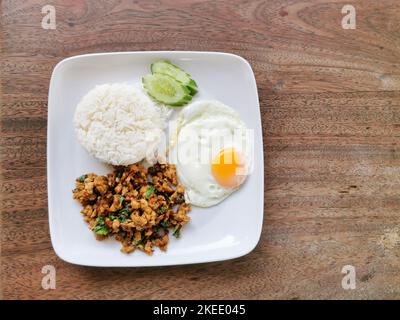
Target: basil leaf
x,y
162,210
124,211
122,218
150,191
100,221
177,231
101,230
164,224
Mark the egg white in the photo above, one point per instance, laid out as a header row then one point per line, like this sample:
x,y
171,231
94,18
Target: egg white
x,y
209,127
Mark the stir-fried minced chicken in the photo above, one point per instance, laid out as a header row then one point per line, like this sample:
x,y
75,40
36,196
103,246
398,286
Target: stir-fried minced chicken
x,y
136,205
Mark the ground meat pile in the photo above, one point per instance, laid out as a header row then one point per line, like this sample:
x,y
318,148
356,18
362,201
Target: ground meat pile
x,y
136,205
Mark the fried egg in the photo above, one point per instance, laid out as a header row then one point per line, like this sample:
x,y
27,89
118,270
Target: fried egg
x,y
212,151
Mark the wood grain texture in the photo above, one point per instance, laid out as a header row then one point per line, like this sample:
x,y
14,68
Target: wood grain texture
x,y
330,105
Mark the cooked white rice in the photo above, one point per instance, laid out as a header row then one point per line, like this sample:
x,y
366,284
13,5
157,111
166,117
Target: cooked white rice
x,y
119,124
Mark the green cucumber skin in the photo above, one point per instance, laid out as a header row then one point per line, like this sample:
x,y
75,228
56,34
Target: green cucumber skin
x,y
168,66
192,86
181,103
164,67
186,98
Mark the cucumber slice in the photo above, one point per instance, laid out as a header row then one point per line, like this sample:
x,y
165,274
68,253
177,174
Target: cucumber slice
x,y
172,70
166,90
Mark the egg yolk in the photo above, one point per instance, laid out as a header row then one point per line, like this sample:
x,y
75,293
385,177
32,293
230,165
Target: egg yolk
x,y
228,168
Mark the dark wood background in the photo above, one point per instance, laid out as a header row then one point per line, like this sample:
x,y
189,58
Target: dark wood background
x,y
330,105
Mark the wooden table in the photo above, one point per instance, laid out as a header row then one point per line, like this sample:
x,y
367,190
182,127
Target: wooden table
x,y
330,105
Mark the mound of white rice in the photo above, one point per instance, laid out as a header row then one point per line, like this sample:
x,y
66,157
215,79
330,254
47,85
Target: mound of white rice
x,y
119,124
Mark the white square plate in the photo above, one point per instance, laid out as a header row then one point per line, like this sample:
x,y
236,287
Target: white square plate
x,y
228,230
